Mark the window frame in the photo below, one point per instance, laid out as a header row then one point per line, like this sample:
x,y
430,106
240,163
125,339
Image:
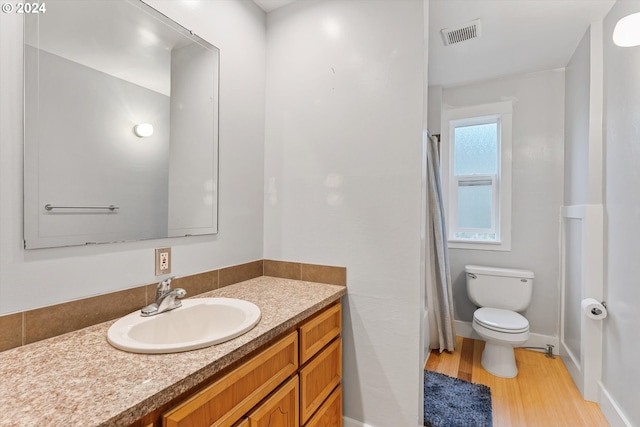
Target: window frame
x,y
502,114
495,202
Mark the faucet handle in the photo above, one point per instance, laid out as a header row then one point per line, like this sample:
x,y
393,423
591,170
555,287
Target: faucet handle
x,y
163,287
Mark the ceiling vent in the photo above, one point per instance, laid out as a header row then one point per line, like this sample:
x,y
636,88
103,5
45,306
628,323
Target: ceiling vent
x,y
459,33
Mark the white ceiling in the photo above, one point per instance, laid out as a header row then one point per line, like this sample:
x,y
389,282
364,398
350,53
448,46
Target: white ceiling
x,y
269,5
518,36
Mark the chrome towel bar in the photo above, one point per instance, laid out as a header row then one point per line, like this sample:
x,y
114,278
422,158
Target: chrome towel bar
x,y
50,207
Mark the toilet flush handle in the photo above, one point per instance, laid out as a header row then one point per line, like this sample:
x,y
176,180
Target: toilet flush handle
x,y
473,276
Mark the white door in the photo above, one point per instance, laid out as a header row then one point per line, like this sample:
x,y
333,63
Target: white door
x,y
582,277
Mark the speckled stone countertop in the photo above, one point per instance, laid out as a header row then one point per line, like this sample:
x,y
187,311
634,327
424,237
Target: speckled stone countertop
x,y
78,379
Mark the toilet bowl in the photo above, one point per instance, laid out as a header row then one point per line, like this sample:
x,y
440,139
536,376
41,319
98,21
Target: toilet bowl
x,y
500,293
502,330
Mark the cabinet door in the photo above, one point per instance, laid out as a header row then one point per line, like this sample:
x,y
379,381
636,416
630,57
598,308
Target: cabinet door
x,y
330,413
279,410
318,379
226,401
318,331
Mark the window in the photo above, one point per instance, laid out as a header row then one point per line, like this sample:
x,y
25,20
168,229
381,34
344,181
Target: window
x,y
476,168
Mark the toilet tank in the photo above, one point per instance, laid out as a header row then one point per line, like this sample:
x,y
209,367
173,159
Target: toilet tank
x,y
506,288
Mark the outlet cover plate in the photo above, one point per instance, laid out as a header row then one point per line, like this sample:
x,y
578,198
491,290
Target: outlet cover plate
x,y
163,261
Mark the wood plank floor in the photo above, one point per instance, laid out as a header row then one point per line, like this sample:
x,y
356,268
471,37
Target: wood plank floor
x,y
542,394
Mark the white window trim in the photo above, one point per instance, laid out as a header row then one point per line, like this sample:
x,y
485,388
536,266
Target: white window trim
x,y
504,110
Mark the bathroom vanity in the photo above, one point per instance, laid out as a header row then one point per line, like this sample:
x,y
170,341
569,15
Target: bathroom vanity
x,y
293,382
285,371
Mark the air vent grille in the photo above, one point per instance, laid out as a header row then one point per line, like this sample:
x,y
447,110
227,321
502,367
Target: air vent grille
x,y
460,33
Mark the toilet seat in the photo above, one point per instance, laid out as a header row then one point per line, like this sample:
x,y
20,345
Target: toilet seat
x,y
499,320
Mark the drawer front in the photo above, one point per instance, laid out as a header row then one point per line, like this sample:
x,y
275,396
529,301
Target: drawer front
x,y
318,379
225,402
330,413
279,410
319,331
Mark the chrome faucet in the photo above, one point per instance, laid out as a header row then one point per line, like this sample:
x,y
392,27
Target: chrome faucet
x,y
166,299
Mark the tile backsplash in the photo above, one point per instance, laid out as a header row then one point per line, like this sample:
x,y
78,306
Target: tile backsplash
x,y
34,325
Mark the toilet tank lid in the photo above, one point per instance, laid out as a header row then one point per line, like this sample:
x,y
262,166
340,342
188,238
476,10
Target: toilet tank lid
x,y
495,271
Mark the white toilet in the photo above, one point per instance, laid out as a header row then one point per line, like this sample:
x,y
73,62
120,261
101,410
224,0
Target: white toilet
x,y
500,293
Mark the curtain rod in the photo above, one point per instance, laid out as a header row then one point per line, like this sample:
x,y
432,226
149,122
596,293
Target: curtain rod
x,y
431,135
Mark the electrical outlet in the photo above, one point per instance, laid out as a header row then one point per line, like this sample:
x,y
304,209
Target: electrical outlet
x,y
163,261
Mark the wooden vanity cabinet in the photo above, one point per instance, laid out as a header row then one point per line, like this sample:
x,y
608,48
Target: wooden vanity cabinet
x,y
294,382
319,331
321,368
279,410
227,400
330,413
319,378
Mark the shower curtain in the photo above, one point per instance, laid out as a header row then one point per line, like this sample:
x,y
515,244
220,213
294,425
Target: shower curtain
x,y
438,273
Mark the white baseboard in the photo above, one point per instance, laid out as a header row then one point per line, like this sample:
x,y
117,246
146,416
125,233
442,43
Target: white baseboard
x,y
573,367
465,329
350,422
610,409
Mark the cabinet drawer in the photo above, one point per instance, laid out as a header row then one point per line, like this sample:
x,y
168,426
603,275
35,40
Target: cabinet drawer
x,y
318,379
225,402
330,413
319,331
279,410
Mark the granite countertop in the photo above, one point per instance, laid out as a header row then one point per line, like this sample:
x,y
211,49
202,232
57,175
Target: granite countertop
x,y
79,379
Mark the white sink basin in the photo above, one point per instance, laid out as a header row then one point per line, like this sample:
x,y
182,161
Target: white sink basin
x,y
199,323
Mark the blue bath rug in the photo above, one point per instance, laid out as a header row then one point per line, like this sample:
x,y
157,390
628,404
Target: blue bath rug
x,y
451,402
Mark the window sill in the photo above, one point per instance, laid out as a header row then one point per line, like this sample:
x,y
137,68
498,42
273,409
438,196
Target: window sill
x,y
480,246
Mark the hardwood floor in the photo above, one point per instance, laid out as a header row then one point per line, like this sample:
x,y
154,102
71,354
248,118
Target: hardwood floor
x,y
542,394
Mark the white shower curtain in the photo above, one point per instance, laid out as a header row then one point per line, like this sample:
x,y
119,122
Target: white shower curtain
x,y
438,272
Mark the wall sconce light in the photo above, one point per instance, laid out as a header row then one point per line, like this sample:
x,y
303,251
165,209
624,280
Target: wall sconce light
x,y
143,130
627,31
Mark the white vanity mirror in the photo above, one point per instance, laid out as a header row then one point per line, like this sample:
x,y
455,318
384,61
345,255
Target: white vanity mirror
x,y
121,126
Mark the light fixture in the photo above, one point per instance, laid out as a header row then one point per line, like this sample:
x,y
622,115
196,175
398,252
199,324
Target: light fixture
x,y
627,31
143,130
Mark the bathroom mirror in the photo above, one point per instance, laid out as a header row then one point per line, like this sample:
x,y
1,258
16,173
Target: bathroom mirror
x,y
121,125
